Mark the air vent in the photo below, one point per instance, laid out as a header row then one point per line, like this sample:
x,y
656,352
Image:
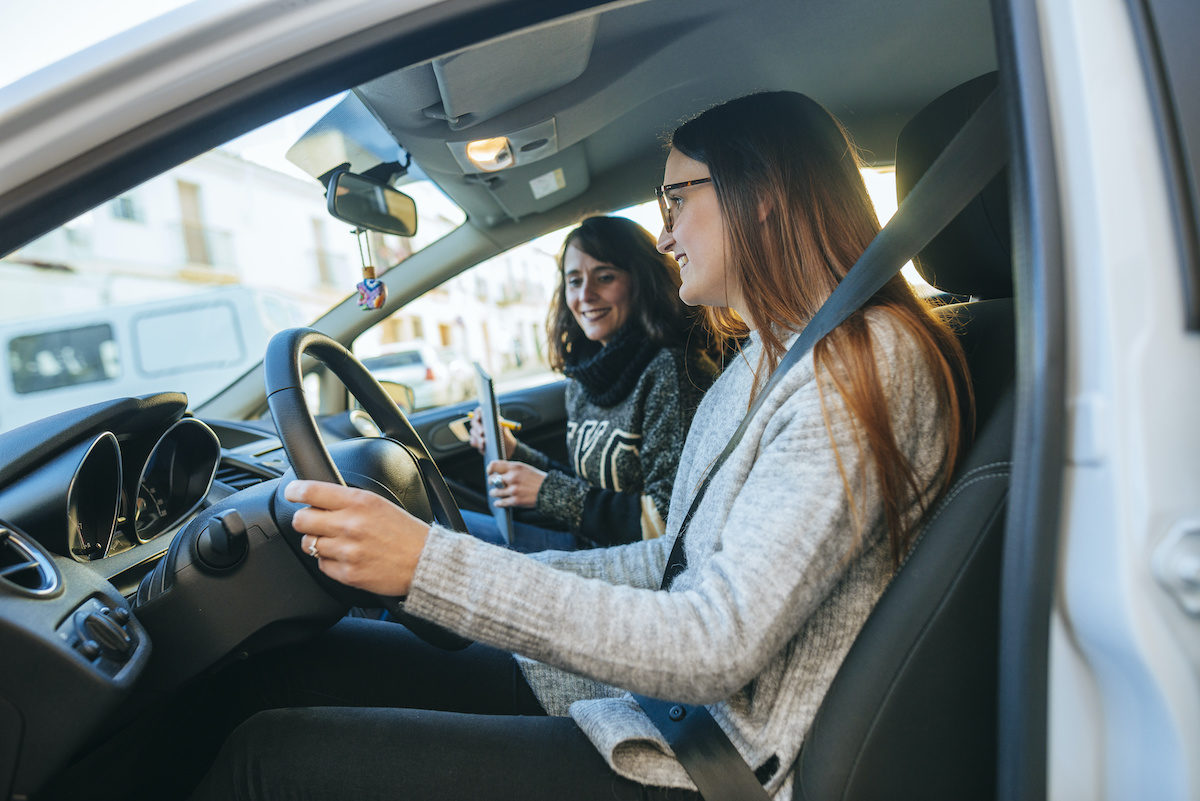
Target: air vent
x,y
25,568
238,475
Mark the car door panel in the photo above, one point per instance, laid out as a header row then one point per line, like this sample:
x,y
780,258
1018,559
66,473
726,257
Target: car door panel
x,y
540,410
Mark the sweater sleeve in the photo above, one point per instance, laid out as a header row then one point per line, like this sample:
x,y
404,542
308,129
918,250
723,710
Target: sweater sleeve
x,y
786,537
609,517
535,458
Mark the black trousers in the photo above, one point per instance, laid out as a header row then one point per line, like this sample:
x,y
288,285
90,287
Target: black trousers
x,y
369,711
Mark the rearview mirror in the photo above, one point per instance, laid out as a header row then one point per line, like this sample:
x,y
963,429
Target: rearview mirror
x,y
369,204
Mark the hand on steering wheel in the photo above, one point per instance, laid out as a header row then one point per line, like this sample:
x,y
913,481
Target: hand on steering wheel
x,y
396,467
358,537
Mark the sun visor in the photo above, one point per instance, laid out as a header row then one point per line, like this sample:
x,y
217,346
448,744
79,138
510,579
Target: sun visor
x,y
486,81
348,133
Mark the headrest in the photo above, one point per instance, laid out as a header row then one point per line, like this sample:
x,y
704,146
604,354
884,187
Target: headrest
x,y
973,254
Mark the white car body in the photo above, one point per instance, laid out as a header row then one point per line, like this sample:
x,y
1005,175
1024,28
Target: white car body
x,y
1123,675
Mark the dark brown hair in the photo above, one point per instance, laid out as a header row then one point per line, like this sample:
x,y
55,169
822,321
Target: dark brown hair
x,y
785,152
654,287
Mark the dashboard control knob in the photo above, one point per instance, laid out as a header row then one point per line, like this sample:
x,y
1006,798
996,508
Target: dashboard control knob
x,y
90,649
107,634
222,543
120,614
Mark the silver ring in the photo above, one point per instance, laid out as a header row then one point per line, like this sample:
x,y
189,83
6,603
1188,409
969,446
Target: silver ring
x,y
497,481
312,549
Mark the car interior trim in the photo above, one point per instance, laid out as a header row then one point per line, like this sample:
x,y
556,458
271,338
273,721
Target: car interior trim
x,y
1031,535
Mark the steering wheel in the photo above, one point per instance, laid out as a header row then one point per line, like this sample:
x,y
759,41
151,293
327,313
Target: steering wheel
x,y
397,466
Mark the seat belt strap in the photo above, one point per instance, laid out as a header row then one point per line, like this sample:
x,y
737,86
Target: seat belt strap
x,y
974,156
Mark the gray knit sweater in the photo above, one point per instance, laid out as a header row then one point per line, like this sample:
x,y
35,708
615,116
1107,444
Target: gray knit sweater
x,y
774,593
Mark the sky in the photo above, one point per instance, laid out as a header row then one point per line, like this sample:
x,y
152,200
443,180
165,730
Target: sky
x,y
40,32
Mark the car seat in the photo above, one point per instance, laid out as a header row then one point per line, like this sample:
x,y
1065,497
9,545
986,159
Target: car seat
x,y
912,712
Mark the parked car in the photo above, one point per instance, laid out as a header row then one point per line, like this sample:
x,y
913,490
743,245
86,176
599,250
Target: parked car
x,y
192,344
418,365
1078,679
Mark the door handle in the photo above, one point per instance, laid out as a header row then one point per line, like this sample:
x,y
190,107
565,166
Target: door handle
x,y
459,428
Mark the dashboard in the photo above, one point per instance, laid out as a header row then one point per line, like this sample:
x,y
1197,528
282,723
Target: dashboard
x,y
91,500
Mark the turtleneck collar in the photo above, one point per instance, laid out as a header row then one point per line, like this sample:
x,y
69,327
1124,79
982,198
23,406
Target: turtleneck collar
x,y
609,373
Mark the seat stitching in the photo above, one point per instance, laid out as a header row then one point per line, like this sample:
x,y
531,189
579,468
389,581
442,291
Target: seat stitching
x,y
958,488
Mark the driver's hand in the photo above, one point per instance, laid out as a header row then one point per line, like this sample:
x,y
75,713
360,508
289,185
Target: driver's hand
x,y
361,538
521,483
478,437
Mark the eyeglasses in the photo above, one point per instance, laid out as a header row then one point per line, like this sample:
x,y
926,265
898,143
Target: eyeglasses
x,y
664,207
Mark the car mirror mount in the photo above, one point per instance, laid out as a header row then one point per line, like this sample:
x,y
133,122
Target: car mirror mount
x,y
370,204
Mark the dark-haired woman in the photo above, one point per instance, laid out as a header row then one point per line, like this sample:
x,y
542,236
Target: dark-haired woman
x,y
799,532
619,331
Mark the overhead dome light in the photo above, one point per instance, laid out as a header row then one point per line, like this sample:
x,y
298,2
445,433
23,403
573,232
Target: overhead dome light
x,y
490,155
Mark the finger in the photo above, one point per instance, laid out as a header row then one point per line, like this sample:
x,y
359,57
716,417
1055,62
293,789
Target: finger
x,y
307,542
338,571
321,494
500,466
323,523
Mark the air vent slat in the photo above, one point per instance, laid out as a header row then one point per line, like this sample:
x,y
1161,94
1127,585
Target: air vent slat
x,y
17,568
25,567
238,476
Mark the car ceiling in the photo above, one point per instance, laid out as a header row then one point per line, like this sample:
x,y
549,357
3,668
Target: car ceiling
x,y
611,83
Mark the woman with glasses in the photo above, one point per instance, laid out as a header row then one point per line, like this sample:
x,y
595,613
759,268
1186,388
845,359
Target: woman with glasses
x,y
618,330
750,601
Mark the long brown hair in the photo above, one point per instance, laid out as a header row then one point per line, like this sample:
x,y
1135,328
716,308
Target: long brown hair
x,y
654,286
785,152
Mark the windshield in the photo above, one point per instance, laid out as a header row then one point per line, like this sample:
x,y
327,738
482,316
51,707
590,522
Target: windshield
x,y
180,282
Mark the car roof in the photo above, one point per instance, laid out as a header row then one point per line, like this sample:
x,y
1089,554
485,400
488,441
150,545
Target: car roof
x,y
595,93
612,79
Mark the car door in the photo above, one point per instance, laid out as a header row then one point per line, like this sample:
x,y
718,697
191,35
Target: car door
x,y
541,412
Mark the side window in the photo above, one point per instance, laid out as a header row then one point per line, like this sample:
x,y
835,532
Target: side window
x,y
195,337
493,314
63,358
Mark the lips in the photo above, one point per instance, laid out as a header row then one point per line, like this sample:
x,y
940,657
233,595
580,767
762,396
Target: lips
x,y
592,315
681,259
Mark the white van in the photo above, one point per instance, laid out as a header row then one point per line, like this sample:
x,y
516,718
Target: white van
x,y
194,344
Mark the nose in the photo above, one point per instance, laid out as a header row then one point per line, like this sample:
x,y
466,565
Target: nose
x,y
666,241
587,288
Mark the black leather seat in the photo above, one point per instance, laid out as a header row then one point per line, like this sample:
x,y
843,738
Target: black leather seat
x,y
912,712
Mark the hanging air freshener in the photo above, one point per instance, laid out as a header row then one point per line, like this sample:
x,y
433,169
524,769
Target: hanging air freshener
x,y
372,293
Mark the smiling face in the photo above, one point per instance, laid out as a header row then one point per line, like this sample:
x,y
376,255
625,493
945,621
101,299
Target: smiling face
x,y
697,237
597,293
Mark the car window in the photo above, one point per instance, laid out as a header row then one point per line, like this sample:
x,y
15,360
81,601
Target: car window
x,y
495,314
404,359
63,358
179,283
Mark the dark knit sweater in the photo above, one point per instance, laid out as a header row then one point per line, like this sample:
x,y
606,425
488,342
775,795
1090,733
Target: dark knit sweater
x,y
621,454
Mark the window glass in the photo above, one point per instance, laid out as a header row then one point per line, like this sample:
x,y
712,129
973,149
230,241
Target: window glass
x,y
188,338
63,358
495,314
191,273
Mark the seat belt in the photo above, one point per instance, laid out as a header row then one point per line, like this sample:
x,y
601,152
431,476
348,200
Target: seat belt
x,y
974,156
